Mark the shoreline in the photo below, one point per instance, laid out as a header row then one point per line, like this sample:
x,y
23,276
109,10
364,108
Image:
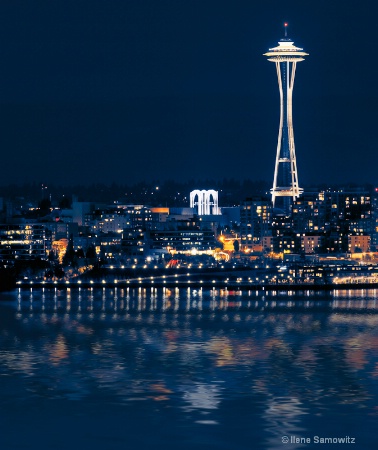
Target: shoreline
x,y
195,284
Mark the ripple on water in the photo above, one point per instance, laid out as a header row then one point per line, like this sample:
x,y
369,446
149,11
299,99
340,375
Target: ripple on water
x,y
260,369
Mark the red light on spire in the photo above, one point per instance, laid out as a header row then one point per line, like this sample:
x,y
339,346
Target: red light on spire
x,y
286,25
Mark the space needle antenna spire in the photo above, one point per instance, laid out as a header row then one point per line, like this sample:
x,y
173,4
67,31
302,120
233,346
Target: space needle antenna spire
x,y
285,182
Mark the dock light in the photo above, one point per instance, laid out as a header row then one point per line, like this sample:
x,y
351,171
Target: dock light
x,y
115,281
67,282
78,281
55,282
127,281
103,281
91,281
31,282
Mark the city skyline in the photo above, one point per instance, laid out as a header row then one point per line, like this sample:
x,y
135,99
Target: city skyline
x,y
129,92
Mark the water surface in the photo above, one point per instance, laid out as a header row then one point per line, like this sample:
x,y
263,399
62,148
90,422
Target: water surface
x,y
184,369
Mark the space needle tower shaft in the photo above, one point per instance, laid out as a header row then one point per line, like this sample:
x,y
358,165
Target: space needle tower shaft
x,y
285,181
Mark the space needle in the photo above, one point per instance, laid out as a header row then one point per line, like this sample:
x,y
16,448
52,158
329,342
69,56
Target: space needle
x,y
285,182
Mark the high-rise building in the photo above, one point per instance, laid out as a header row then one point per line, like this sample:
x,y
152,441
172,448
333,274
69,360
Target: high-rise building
x,y
285,182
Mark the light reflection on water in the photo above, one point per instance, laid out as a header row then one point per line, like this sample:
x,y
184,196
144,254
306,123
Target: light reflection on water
x,y
193,367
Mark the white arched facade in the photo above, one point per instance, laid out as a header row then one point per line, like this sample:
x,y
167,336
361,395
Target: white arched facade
x,y
206,202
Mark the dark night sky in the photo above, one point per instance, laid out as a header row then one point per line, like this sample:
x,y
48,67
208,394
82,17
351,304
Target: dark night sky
x,y
132,90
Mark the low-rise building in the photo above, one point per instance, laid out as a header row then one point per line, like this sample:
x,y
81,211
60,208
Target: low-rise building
x,y
358,243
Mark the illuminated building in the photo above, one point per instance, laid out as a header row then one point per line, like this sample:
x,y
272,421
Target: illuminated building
x,y
116,219
285,182
111,223
183,236
308,213
60,247
358,244
286,243
255,222
24,242
133,242
347,213
206,202
183,240
310,244
374,213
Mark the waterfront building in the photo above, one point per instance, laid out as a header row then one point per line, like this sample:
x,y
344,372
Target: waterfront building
x,y
285,182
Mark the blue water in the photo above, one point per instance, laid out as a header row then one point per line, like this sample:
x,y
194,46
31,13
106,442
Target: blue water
x,y
184,369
